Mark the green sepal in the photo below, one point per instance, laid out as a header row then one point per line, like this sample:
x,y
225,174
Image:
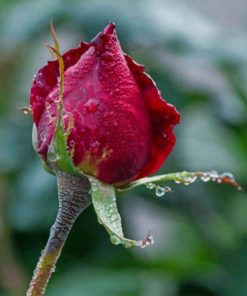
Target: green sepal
x,y
105,206
185,178
58,154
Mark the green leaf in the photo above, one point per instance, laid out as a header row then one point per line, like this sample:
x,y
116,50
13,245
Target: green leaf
x,y
105,206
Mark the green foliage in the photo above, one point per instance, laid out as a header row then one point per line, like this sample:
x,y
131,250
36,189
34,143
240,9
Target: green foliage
x,y
200,231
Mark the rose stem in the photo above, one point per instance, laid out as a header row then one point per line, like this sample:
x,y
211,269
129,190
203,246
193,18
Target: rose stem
x,y
74,197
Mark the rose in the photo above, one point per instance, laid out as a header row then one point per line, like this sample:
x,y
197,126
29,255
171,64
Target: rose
x,y
122,128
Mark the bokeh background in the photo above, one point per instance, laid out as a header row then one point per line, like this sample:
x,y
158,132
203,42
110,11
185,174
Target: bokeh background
x,y
196,51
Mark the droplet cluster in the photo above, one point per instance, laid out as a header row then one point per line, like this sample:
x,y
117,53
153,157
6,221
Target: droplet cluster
x,y
186,178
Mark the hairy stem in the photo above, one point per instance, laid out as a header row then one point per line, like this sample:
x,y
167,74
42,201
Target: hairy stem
x,y
74,197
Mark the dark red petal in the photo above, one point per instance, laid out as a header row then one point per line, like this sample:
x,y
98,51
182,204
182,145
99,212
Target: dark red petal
x,y
163,117
112,129
46,79
130,137
122,126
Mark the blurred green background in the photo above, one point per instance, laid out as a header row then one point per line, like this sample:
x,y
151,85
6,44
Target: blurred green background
x,y
196,51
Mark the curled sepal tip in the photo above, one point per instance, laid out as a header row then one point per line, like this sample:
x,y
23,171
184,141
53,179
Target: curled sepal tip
x,y
105,206
54,36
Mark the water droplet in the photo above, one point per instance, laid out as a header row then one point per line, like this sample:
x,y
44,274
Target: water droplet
x,y
72,148
65,115
214,175
53,157
94,189
227,175
159,191
56,99
115,240
39,80
189,180
92,105
167,189
205,177
111,211
164,135
104,154
114,217
43,137
72,143
150,185
47,105
149,240
94,146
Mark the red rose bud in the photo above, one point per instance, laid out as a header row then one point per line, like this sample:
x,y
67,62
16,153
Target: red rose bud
x,y
122,128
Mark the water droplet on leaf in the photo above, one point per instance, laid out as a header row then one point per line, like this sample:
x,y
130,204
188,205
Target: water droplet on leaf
x,y
159,191
150,185
115,240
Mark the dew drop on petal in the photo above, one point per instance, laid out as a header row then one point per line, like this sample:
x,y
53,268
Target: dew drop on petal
x,y
47,105
92,105
65,115
43,137
56,100
39,80
94,147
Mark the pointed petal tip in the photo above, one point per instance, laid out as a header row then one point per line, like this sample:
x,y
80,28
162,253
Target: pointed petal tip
x,y
110,28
